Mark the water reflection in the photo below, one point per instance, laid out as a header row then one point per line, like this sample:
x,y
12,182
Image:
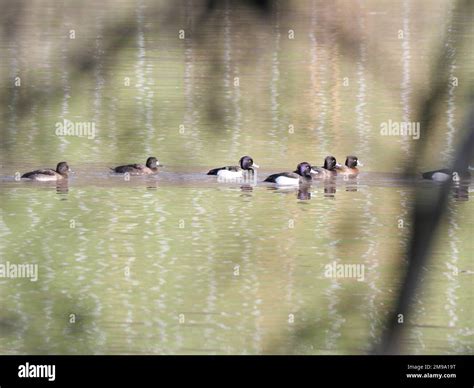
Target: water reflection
x,y
232,82
99,82
304,194
246,188
363,123
330,188
65,86
461,191
62,187
318,79
275,74
137,277
405,86
351,182
447,152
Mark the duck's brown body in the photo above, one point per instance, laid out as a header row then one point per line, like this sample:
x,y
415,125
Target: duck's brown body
x,y
328,170
350,167
48,174
135,169
151,167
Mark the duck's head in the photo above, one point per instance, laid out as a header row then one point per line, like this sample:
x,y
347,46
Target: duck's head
x,y
152,162
330,163
63,168
304,169
246,163
353,162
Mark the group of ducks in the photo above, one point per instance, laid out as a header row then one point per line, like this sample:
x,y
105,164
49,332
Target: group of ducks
x,y
62,170
304,172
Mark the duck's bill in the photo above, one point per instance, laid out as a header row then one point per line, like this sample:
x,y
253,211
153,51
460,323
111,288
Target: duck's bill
x,y
359,163
314,171
255,165
338,165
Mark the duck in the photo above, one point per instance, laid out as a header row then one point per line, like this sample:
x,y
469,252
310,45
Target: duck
x,y
445,174
48,174
328,170
302,175
350,167
246,164
150,167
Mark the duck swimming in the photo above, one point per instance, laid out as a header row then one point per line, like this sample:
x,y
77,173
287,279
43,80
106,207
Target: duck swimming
x,y
328,170
151,167
446,174
246,164
48,174
350,167
302,175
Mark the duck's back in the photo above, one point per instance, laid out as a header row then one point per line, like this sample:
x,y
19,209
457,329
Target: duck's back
x,y
437,175
215,171
322,172
446,174
42,175
130,168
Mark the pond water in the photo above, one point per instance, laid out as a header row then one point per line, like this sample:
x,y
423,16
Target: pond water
x,y
178,263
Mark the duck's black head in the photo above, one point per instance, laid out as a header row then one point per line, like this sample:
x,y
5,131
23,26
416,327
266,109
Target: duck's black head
x,y
330,163
62,168
152,162
246,163
352,162
304,169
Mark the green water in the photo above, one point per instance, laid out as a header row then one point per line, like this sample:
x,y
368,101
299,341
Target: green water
x,y
180,264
